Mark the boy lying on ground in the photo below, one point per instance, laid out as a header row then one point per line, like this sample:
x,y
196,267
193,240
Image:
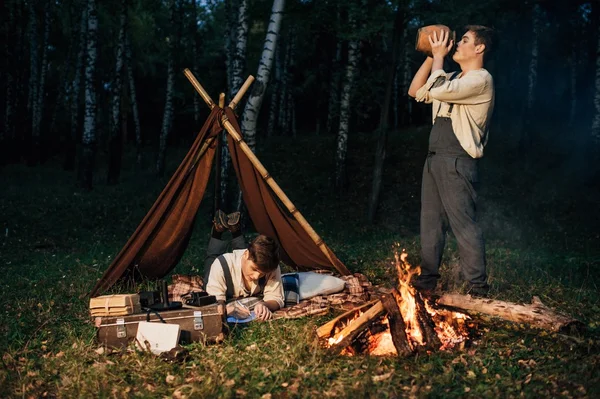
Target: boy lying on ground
x,y
248,271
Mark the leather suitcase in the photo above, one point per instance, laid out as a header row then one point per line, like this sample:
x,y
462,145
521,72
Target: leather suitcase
x,y
206,324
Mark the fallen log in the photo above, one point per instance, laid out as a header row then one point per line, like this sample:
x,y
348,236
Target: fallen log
x,y
535,314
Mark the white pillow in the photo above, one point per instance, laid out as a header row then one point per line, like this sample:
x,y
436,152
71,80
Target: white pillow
x,y
311,284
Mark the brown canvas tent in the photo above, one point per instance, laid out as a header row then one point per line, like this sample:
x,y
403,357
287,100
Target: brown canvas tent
x,y
160,240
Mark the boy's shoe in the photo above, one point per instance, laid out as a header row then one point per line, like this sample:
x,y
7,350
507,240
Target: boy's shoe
x,y
479,292
233,222
220,221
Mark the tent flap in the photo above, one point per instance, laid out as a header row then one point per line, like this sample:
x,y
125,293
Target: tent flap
x,y
162,237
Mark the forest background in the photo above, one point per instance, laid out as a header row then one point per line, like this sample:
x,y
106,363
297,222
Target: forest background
x,y
96,114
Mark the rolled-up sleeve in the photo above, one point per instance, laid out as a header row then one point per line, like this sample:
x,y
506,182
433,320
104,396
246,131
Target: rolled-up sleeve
x,y
423,94
274,288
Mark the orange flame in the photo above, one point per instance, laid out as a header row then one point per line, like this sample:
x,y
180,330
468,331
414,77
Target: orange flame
x,y
450,327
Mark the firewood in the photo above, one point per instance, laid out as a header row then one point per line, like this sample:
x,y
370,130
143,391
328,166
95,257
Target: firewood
x,y
347,335
326,329
432,341
535,314
397,325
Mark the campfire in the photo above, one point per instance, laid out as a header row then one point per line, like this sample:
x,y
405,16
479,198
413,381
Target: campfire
x,y
401,323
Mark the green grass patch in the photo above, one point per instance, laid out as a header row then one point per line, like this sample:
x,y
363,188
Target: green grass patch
x,y
56,242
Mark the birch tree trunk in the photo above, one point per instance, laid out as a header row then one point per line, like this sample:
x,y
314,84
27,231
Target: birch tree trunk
x,y
527,133
342,135
238,45
231,10
88,142
168,114
116,137
255,99
71,145
133,99
239,55
380,151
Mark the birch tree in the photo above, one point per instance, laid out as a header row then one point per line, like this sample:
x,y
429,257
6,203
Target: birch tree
x,y
116,138
342,135
88,142
255,99
239,55
168,113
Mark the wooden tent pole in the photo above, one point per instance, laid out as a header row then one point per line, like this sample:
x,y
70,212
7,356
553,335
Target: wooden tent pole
x,y
281,195
241,92
199,88
261,169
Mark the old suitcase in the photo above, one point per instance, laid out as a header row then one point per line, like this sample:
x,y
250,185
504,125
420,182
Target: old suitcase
x,y
199,324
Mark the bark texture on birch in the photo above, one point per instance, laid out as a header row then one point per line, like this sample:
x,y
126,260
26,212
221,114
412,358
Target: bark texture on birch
x,y
253,105
342,135
168,113
116,137
88,150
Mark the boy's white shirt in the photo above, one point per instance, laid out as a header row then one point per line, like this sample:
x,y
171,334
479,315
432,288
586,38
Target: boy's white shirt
x,y
216,285
473,99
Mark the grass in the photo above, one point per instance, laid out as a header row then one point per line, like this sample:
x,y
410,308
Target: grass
x,y
541,240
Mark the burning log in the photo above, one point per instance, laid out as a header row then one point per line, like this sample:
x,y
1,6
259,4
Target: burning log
x,y
397,325
326,329
345,337
430,339
536,314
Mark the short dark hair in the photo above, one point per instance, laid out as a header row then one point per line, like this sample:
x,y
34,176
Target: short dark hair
x,y
483,35
264,252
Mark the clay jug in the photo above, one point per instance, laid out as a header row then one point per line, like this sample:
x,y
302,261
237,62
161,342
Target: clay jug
x,y
422,45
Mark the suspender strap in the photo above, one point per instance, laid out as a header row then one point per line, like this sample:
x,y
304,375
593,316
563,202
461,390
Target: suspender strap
x,y
228,279
452,104
438,83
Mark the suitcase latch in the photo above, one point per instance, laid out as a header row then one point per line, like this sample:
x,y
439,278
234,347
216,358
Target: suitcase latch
x,y
121,329
198,322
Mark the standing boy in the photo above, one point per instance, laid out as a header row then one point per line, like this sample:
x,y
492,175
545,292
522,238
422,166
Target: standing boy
x,y
462,107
